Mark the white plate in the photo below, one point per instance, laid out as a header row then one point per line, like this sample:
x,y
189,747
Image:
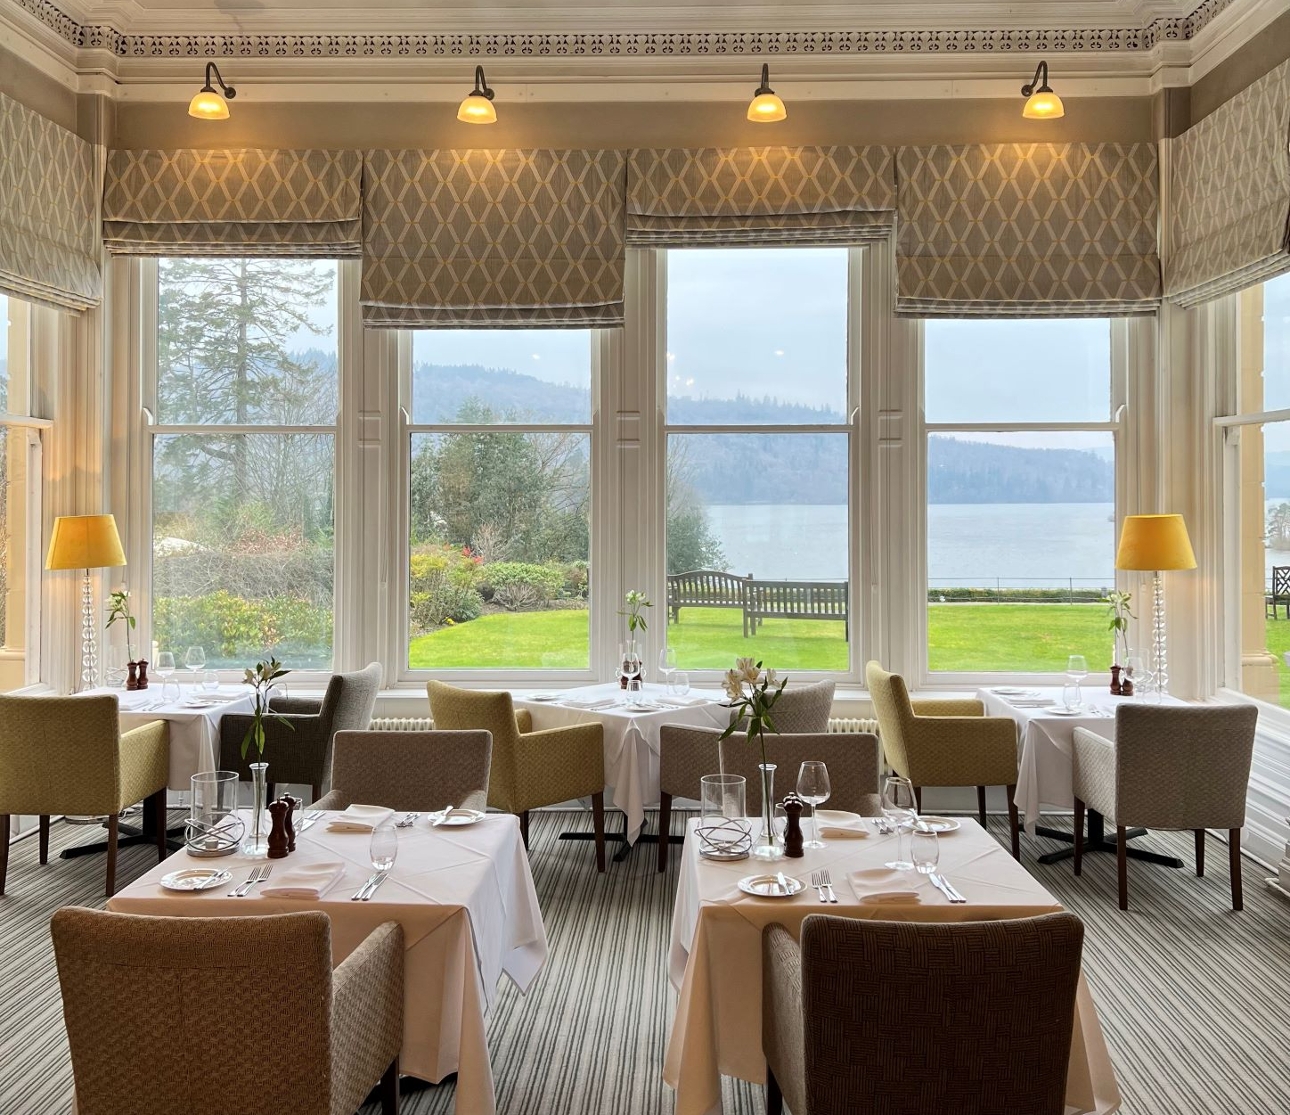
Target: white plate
x,y
459,817
768,886
1068,712
543,697
196,878
939,824
1014,691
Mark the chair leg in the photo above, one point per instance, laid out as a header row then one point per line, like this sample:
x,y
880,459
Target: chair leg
x,y
113,824
1014,823
980,804
1122,864
159,809
390,1089
774,1097
664,829
316,790
524,829
1234,865
1079,835
4,849
44,838
1200,853
918,798
598,822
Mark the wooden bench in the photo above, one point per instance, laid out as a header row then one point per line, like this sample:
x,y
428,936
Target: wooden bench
x,y
707,588
797,600
1279,596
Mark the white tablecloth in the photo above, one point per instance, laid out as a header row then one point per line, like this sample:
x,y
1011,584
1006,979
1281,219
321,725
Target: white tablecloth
x,y
715,959
631,738
1047,742
465,899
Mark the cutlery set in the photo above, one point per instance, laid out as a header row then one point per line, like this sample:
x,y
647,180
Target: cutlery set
x,y
943,885
258,875
408,821
823,884
369,888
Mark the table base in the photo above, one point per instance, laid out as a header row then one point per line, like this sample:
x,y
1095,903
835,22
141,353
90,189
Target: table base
x,y
1096,841
129,835
613,838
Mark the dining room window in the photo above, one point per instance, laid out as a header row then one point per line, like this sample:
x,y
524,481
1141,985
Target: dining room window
x,y
500,505
1020,448
758,457
243,455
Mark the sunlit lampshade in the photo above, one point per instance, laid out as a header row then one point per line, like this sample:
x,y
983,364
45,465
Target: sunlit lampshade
x,y
477,105
766,106
1041,102
208,105
1154,542
84,542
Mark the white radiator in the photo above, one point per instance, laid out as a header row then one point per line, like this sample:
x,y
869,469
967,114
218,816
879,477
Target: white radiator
x,y
853,724
425,724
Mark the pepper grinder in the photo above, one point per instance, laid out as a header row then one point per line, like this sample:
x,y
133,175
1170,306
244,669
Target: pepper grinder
x,y
293,803
278,844
793,829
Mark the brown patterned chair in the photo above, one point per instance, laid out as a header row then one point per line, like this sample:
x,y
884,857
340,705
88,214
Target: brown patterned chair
x,y
410,771
907,1018
529,769
243,1014
68,755
945,743
852,759
1170,767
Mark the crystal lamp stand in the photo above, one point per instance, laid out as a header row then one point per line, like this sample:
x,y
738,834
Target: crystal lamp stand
x,y
89,650
1160,677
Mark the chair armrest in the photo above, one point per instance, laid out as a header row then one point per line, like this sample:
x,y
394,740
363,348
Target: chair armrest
x,y
1093,771
366,1016
301,706
557,764
523,721
949,706
782,1034
333,799
145,762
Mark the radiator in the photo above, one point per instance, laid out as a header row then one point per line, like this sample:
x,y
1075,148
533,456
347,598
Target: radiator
x,y
425,724
852,724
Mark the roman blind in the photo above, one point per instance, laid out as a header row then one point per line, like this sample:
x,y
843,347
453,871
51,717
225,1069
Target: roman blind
x,y
233,203
1027,230
497,239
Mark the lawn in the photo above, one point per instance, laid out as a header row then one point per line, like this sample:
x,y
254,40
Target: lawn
x,y
1277,640
976,637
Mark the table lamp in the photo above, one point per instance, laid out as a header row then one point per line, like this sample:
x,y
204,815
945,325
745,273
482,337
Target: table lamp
x,y
85,542
1155,543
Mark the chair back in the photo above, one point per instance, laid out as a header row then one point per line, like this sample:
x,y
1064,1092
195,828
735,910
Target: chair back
x,y
894,713
59,755
350,699
852,759
803,708
685,755
463,710
191,984
412,771
1183,767
994,1004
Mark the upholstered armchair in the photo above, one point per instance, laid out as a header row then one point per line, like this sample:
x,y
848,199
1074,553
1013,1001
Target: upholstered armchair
x,y
803,708
409,771
1170,767
299,751
838,1015
852,759
325,1037
945,743
68,755
529,769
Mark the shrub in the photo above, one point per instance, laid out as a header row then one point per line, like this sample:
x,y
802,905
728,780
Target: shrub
x,y
233,629
445,602
517,585
430,564
576,580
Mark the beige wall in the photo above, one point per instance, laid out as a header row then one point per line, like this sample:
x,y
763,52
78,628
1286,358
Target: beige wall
x,y
27,85
1268,49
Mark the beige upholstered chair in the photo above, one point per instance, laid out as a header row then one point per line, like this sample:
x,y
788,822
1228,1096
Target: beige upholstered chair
x,y
529,769
852,759
409,771
945,743
68,755
1170,767
242,1014
846,1016
301,754
803,708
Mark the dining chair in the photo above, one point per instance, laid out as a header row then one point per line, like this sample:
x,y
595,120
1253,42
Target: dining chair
x,y
68,755
243,1014
1170,767
803,708
528,769
299,751
946,743
851,757
903,1018
409,771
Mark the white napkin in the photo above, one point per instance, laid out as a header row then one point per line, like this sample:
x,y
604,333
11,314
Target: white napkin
x,y
309,880
682,702
882,885
838,824
360,818
597,703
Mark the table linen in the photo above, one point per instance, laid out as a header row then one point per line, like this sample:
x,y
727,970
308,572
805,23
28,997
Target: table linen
x,y
631,736
469,912
715,955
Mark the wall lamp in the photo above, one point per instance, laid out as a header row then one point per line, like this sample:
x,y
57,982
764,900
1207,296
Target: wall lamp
x,y
477,105
208,104
1041,102
766,106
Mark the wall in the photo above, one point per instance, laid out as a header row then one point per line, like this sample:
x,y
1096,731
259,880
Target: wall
x,y
39,92
1266,50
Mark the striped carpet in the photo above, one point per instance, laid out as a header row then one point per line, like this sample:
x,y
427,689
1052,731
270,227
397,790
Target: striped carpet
x,y
1195,1000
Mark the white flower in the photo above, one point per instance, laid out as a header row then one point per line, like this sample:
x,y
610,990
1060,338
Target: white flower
x,y
748,668
734,684
770,677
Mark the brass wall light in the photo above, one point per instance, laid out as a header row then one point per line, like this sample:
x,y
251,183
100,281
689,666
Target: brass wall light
x,y
766,106
208,104
477,106
1041,102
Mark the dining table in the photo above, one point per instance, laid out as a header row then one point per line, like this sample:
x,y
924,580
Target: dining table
x,y
463,895
715,959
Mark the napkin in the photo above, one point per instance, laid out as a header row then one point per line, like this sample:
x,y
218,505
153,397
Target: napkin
x,y
309,880
682,702
838,824
881,885
360,818
598,703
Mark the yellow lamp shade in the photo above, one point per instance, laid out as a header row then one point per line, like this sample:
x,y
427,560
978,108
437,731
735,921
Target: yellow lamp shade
x,y
476,109
84,542
208,105
1154,542
1043,104
766,108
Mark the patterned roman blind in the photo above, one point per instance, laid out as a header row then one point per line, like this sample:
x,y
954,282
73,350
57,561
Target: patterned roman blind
x,y
760,196
233,203
49,248
1027,230
497,239
1230,189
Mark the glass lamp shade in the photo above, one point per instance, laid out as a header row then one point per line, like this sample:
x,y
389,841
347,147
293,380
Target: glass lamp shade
x,y
84,542
476,109
1043,104
208,105
766,108
1154,542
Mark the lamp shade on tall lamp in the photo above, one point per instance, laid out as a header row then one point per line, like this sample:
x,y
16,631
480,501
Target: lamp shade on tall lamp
x,y
85,542
1156,543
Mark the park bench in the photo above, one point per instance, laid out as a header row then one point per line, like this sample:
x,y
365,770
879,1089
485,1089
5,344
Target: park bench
x,y
757,600
707,588
1279,595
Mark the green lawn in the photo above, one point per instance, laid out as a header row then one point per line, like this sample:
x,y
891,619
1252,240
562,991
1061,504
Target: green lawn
x,y
1278,642
975,637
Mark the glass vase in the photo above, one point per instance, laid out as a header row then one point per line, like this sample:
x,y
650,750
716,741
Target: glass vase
x,y
257,839
767,847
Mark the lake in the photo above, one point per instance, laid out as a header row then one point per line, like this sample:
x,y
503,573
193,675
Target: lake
x,y
1016,545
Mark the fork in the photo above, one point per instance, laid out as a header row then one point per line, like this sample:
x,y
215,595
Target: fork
x,y
259,875
818,885
826,881
407,821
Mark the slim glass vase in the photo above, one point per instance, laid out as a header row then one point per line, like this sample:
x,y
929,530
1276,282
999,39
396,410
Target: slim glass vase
x,y
257,839
767,847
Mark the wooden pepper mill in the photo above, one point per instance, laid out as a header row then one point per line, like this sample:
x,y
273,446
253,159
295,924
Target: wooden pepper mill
x,y
143,674
793,829
293,803
1116,686
278,843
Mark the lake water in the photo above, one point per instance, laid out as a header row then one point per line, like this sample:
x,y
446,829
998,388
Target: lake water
x,y
1015,545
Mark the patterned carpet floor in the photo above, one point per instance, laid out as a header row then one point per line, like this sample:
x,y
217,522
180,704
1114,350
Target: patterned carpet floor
x,y
1194,999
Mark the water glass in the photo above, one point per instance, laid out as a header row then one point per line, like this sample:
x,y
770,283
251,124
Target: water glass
x,y
385,846
210,681
925,848
813,786
678,684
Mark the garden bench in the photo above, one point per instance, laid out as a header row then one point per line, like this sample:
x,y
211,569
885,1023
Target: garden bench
x,y
707,588
796,600
1280,594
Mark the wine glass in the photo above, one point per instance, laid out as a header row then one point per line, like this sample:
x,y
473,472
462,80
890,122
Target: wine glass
x,y
1076,671
1136,672
165,666
813,787
925,848
195,660
901,809
385,846
667,665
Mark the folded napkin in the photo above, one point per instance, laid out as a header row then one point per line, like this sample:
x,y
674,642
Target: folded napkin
x,y
360,818
597,703
683,702
838,824
882,885
309,880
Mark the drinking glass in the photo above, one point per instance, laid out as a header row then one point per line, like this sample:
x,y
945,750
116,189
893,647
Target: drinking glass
x,y
629,656
900,808
667,665
195,660
813,786
679,683
925,848
1135,669
165,666
1076,671
385,846
210,681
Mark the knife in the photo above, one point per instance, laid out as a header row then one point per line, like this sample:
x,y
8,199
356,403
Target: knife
x,y
381,877
783,882
942,884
